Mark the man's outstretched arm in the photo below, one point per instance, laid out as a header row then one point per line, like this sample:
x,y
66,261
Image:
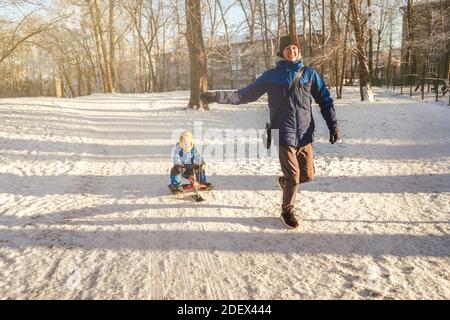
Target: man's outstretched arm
x,y
250,93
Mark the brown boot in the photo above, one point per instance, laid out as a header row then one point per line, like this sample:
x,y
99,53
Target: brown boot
x,y
289,220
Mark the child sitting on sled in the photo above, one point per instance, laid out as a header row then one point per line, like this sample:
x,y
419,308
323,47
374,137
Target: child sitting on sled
x,y
187,163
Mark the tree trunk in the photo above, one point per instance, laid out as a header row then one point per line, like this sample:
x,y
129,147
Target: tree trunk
x,y
41,85
58,86
228,49
364,75
92,69
304,19
377,57
197,53
292,22
335,41
89,85
138,26
310,29
263,23
285,19
153,83
269,51
112,50
121,73
80,78
279,18
389,58
344,54
408,25
322,67
101,33
152,34
369,5
164,74
65,76
250,20
98,51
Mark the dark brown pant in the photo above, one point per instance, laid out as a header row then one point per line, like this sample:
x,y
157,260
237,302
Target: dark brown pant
x,y
298,167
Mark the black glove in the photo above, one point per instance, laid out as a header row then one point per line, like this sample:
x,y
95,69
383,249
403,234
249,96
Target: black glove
x,y
199,167
335,135
209,97
179,169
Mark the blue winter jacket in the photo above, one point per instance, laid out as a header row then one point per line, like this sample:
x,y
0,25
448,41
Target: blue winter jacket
x,y
181,157
294,121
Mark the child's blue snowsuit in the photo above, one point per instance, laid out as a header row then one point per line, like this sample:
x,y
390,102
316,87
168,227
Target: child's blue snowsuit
x,y
188,161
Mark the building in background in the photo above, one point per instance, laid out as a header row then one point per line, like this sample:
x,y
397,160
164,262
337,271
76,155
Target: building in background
x,y
429,39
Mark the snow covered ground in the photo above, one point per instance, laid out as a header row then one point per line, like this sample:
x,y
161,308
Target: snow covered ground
x,y
85,211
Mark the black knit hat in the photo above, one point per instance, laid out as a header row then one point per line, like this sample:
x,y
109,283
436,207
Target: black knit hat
x,y
287,41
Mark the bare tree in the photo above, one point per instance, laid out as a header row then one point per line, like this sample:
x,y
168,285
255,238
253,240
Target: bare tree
x,y
96,15
303,18
310,27
249,9
227,51
267,52
370,35
178,36
335,39
292,20
197,53
147,31
364,74
24,30
112,45
214,23
281,19
345,53
408,36
385,15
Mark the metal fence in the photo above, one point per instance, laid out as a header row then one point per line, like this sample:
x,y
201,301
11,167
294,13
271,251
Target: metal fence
x,y
429,87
